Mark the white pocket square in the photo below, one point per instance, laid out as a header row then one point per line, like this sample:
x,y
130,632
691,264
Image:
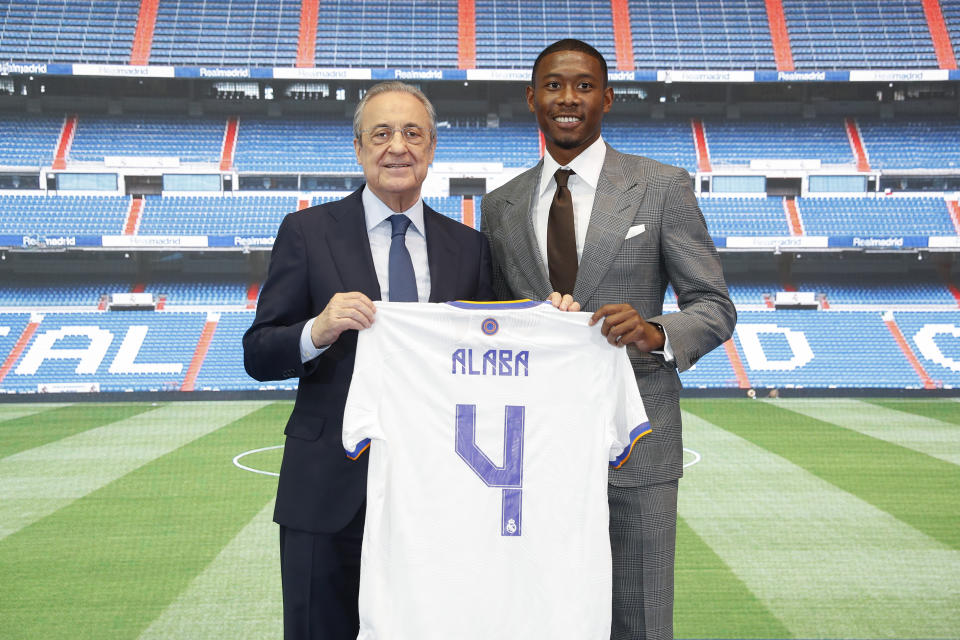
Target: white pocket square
x,y
635,231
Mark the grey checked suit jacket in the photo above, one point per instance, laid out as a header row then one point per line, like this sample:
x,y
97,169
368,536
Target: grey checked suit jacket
x,y
673,246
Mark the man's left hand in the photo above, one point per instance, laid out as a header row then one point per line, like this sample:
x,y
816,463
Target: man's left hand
x,y
623,325
563,302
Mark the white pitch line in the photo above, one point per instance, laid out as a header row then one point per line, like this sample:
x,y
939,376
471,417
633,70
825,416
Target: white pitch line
x,y
696,458
236,460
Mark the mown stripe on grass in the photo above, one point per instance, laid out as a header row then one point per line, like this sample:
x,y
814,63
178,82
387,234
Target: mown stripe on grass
x,y
11,410
36,482
39,428
237,596
710,599
919,490
929,428
826,563
944,410
113,560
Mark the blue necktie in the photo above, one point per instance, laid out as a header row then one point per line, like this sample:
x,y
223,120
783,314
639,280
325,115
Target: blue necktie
x,y
401,279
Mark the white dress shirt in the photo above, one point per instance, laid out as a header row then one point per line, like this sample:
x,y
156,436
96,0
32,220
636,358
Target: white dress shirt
x,y
379,231
583,188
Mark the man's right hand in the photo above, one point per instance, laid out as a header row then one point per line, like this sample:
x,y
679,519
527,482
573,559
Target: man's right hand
x,y
345,311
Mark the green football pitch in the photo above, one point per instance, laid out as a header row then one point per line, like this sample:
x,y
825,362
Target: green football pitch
x,y
801,518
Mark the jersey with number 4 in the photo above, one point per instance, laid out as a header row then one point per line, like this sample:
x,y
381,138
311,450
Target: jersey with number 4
x,y
490,428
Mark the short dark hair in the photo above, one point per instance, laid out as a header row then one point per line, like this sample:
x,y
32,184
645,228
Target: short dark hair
x,y
570,44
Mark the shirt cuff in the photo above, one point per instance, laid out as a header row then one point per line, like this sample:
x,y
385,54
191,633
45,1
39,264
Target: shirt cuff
x,y
307,351
667,351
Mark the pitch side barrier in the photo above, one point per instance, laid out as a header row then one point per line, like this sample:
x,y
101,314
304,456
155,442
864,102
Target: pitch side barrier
x,y
490,75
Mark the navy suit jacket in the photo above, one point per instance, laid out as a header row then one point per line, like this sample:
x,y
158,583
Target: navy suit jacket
x,y
318,252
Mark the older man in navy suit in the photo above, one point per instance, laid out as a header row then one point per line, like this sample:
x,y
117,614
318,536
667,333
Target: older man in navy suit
x,y
328,264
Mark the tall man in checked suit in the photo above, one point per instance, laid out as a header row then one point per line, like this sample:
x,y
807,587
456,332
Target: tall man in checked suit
x,y
634,227
328,264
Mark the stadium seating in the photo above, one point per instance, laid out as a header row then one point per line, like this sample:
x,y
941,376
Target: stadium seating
x,y
509,35
911,143
325,145
667,34
861,34
893,290
63,215
810,349
951,16
379,33
875,216
68,30
513,144
214,215
738,142
712,34
745,216
121,351
144,351
295,144
28,141
192,140
230,32
668,141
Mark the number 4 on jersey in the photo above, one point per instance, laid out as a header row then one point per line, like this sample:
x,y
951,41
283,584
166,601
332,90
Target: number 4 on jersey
x,y
509,476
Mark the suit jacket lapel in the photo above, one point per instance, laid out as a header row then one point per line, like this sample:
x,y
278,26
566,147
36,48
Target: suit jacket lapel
x,y
614,205
442,258
518,223
349,245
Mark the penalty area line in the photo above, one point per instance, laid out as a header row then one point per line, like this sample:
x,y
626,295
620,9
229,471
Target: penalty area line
x,y
236,460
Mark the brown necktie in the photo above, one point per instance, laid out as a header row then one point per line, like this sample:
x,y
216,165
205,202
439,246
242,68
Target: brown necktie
x,y
561,238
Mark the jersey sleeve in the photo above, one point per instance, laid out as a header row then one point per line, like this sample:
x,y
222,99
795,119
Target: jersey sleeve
x,y
360,423
630,418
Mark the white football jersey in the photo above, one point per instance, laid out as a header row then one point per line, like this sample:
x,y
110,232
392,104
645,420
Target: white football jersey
x,y
492,429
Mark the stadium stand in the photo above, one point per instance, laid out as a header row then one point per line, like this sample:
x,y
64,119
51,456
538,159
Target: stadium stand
x,y
739,142
862,34
513,144
63,215
191,140
145,350
951,16
295,144
926,143
668,141
28,141
878,216
54,334
223,367
510,35
789,349
121,351
891,290
67,30
233,32
703,35
317,145
214,215
763,216
371,33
